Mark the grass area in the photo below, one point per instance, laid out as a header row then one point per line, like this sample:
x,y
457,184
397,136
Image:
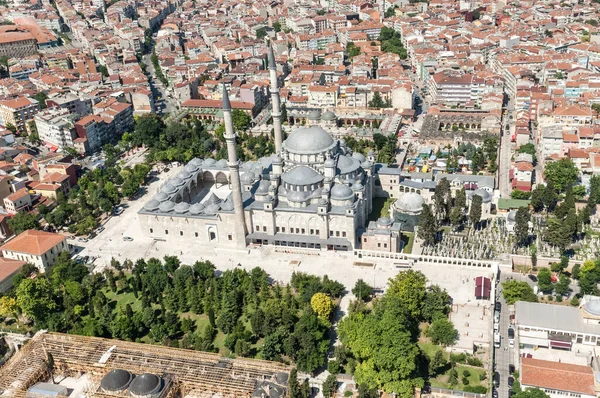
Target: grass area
x,y
441,380
408,238
122,299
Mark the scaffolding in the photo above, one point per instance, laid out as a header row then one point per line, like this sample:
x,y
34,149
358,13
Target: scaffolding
x,y
191,372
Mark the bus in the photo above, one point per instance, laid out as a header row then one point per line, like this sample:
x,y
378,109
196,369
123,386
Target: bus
x,y
497,340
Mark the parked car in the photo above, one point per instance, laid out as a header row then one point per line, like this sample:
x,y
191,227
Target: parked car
x,y
532,277
99,229
496,379
498,306
128,239
118,211
511,380
82,240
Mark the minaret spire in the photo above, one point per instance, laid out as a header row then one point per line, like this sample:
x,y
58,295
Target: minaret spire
x,y
234,172
275,100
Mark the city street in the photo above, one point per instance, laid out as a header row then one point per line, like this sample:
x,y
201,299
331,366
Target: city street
x,y
164,104
505,155
503,354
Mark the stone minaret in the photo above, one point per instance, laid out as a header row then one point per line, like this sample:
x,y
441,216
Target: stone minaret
x,y
275,101
234,173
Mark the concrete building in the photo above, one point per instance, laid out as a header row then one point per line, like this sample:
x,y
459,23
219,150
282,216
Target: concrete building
x,y
18,201
56,127
18,111
16,43
557,379
36,247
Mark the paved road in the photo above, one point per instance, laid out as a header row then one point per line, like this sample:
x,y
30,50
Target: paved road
x,y
164,104
505,156
504,353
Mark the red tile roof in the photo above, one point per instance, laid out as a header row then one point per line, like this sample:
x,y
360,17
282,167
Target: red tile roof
x,y
557,376
33,242
8,267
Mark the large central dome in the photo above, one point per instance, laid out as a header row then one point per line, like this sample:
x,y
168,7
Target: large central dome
x,y
311,140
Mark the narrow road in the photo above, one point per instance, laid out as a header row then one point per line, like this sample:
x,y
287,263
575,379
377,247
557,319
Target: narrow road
x,y
504,353
505,156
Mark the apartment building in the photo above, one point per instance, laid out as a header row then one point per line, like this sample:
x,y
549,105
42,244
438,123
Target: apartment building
x,y
16,42
322,96
74,104
56,127
18,111
18,201
446,88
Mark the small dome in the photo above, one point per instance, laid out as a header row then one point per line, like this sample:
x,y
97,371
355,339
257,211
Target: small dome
x,y
347,164
161,197
196,208
329,163
301,175
277,160
384,222
309,140
211,200
263,187
297,196
166,207
222,163
177,181
268,198
314,115
409,203
371,153
116,380
341,192
145,384
247,178
366,164
512,216
322,202
227,205
592,307
357,187
152,205
184,175
182,207
196,162
485,195
328,116
359,156
211,210
169,189
209,162
342,142
191,168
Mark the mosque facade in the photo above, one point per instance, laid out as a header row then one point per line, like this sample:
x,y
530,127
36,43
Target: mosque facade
x,y
313,192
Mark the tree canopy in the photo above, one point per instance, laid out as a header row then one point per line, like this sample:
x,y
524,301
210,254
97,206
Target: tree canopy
x,y
563,173
514,291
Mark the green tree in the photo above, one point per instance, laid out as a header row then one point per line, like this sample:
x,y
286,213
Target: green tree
x,y
562,287
442,199
276,26
22,221
308,343
545,280
514,291
241,120
323,305
377,101
537,198
41,98
427,230
362,290
549,197
443,332
330,386
261,33
531,393
436,304
148,129
35,298
437,362
522,225
352,50
409,288
563,173
390,12
475,211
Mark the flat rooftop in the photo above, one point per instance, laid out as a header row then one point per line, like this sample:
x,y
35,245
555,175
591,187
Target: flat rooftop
x,y
554,317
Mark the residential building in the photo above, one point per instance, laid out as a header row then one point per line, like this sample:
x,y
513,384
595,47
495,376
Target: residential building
x,y
36,247
18,201
18,111
16,42
8,270
56,127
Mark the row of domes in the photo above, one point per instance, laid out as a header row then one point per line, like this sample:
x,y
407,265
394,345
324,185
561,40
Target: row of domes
x,y
119,380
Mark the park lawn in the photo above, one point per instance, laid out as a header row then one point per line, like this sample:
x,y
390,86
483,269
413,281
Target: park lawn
x,y
441,381
122,299
408,238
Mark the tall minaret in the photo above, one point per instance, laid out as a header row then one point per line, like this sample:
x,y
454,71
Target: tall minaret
x,y
234,172
275,100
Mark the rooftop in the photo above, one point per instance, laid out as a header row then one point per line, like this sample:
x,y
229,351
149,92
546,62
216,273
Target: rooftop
x,y
557,376
33,242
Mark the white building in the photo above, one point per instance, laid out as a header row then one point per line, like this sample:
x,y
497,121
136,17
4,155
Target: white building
x,y
36,247
56,127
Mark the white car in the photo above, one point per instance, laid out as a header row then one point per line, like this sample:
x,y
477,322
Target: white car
x,y
128,239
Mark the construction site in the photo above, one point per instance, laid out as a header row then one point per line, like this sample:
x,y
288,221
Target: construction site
x,y
99,367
